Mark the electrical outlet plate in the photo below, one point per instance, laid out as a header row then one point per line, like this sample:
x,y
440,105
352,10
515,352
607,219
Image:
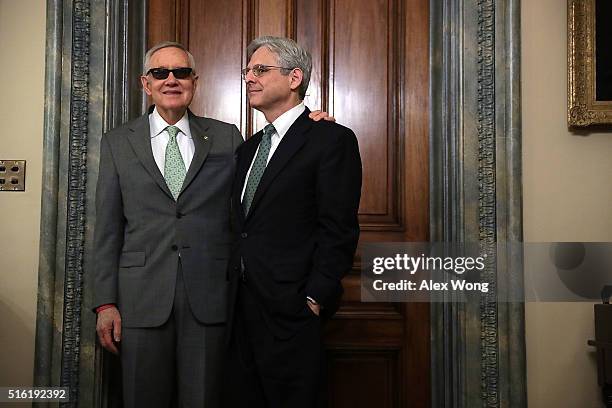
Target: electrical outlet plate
x,y
12,175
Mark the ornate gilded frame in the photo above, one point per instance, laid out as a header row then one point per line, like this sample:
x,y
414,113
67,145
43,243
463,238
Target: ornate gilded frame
x,y
582,107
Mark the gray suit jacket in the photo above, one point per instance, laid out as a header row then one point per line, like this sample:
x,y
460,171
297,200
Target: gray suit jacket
x,y
141,231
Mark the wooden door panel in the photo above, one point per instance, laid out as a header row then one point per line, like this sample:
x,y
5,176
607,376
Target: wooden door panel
x,y
273,17
361,92
162,21
349,367
218,54
311,26
371,71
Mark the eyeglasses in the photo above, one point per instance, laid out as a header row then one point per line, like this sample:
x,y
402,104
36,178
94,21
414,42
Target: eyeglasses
x,y
163,73
259,70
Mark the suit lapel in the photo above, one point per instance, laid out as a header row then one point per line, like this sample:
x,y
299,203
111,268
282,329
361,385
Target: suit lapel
x,y
140,139
202,143
289,145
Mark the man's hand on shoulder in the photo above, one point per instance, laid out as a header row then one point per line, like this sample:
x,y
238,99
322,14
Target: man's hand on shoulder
x,y
108,328
318,115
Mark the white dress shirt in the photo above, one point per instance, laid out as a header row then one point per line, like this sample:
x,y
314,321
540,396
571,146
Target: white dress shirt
x,y
160,138
281,126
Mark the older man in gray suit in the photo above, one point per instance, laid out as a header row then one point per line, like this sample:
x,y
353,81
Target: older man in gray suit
x,y
162,240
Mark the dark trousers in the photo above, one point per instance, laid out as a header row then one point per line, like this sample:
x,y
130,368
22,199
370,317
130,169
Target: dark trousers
x,y
177,364
266,372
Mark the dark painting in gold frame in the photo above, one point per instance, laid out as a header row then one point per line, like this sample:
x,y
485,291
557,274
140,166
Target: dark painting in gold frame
x,y
589,69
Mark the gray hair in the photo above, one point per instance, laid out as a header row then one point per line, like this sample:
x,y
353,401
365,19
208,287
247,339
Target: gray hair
x,y
288,54
166,44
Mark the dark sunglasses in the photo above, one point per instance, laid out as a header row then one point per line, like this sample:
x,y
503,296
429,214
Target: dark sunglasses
x,y
163,73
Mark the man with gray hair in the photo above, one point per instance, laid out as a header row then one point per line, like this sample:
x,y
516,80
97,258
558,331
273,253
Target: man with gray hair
x,y
294,214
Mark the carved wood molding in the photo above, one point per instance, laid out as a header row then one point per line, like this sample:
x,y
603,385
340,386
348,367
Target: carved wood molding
x,y
94,53
478,347
487,200
76,199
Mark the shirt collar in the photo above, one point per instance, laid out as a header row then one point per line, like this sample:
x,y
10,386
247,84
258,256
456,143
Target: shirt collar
x,y
158,124
284,121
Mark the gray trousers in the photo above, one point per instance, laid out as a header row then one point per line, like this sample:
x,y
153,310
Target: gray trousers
x,y
177,364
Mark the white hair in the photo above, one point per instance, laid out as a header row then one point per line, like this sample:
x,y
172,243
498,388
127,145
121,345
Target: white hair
x,y
166,44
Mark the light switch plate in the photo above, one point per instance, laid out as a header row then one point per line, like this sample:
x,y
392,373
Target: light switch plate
x,y
12,175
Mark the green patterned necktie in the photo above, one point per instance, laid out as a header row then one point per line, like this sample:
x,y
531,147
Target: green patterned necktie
x,y
257,170
174,166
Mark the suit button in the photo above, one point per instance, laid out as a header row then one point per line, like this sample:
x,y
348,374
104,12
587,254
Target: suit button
x,y
236,268
179,215
174,247
244,235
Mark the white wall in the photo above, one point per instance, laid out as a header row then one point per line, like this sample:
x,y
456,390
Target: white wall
x,y
22,52
567,187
